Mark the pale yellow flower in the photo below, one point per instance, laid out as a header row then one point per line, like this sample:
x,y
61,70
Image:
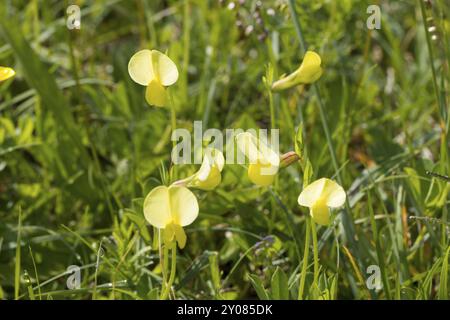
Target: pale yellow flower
x,y
171,208
6,73
308,72
209,175
320,196
263,161
156,71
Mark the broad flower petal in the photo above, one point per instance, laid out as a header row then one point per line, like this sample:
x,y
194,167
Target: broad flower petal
x,y
157,207
334,194
171,208
140,67
248,145
209,175
311,193
321,195
184,205
154,70
174,204
164,68
6,73
309,71
262,174
264,162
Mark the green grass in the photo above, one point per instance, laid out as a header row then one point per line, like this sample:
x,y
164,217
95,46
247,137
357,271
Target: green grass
x,y
80,149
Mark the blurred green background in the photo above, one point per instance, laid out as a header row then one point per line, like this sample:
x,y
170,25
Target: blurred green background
x,y
80,148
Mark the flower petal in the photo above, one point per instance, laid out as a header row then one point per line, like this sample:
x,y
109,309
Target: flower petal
x,y
180,236
262,174
140,67
183,204
156,94
308,72
169,233
248,145
205,169
218,158
164,68
285,82
6,73
264,162
157,207
211,182
267,155
208,176
333,194
310,69
311,193
320,213
312,60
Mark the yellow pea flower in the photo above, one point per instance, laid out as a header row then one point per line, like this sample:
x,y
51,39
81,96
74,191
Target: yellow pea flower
x,y
308,72
171,208
264,162
321,195
6,73
156,71
209,175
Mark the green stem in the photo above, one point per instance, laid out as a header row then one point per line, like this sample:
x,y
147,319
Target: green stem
x,y
173,113
173,270
430,51
441,100
162,255
166,261
378,248
272,109
273,126
17,266
316,252
301,287
289,222
173,123
186,45
297,26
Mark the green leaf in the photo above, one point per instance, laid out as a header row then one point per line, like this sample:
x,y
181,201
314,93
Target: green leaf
x,y
414,182
18,257
26,131
194,269
153,294
215,272
259,287
140,223
443,286
279,284
308,173
298,141
427,284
